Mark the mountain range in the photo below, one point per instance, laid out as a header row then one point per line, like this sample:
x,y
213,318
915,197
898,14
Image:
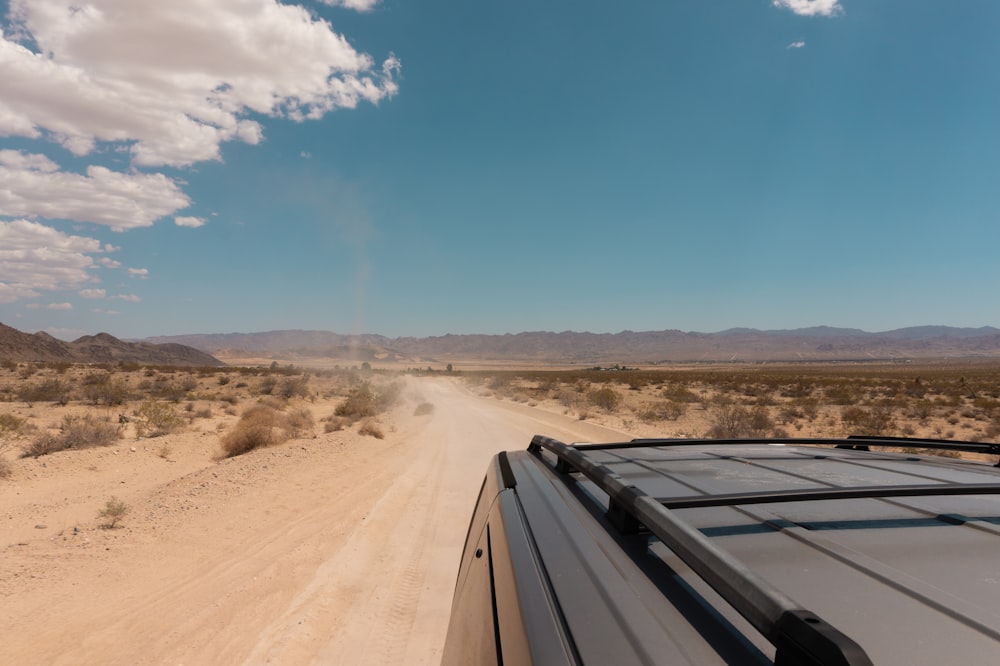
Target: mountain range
x,y
821,343
101,348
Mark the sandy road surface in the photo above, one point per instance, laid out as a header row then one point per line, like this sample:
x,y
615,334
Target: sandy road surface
x,y
336,550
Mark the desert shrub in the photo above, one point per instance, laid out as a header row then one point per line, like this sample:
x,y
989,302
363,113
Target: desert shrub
x,y
662,410
677,392
388,395
567,398
873,421
223,380
605,397
258,427
292,387
921,409
75,432
114,510
155,418
8,364
423,409
333,424
267,385
498,383
360,403
799,408
104,388
42,445
371,429
299,422
5,467
734,421
841,395
51,390
11,425
165,389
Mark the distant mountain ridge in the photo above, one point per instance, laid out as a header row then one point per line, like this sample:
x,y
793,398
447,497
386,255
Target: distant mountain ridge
x,y
818,343
16,345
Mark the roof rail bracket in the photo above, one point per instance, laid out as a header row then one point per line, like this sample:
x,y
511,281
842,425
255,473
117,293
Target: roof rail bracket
x,y
622,519
803,638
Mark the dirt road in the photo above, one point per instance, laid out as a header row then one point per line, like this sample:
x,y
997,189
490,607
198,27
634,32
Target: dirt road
x,y
336,550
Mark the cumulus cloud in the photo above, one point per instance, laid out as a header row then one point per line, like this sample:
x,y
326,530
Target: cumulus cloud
x,y
131,298
810,7
193,222
171,81
36,258
102,196
796,45
139,272
92,293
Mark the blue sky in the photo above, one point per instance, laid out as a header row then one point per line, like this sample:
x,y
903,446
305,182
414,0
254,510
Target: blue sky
x,y
422,168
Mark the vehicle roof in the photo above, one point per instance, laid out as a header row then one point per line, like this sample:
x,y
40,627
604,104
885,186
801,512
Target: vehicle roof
x,y
911,579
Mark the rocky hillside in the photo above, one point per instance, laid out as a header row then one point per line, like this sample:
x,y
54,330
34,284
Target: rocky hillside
x,y
101,348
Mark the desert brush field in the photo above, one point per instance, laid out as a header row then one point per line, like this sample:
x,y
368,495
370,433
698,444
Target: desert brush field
x,y
279,514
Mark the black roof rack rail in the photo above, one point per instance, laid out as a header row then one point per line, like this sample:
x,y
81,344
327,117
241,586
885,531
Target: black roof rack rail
x,y
858,442
799,636
828,493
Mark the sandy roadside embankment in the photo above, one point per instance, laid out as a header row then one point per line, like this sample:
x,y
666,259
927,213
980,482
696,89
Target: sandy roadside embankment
x,y
336,549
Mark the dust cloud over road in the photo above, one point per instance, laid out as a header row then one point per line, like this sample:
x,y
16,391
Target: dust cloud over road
x,y
339,550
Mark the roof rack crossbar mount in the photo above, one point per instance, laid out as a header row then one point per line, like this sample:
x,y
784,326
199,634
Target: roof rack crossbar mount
x,y
799,635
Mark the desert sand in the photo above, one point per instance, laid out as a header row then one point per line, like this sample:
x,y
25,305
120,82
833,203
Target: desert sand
x,y
335,549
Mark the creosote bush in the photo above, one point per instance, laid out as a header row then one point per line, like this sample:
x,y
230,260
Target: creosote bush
x,y
735,421
155,419
76,432
605,397
363,401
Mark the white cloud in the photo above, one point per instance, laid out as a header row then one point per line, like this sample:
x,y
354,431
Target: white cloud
x,y
139,272
107,312
131,298
49,306
10,293
173,80
92,293
796,45
36,258
193,222
118,200
358,5
810,7
19,161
